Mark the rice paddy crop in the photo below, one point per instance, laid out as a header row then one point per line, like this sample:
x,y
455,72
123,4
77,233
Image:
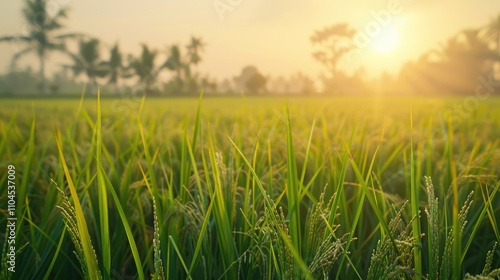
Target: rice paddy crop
x,y
258,188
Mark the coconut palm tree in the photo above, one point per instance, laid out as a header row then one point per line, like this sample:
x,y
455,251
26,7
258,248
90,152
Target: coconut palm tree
x,y
88,62
175,62
195,47
115,66
144,67
41,37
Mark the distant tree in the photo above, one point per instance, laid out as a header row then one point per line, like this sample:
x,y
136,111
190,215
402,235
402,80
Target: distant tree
x,y
345,84
115,66
256,83
209,85
250,80
184,81
333,44
176,63
491,33
195,48
54,88
40,37
241,81
18,82
298,83
452,68
144,67
301,84
88,62
61,82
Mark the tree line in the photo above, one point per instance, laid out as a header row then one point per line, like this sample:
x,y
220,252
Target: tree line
x,y
459,66
465,63
44,37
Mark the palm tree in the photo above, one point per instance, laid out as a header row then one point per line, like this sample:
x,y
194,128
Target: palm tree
x,y
88,61
174,62
115,66
144,67
195,47
40,37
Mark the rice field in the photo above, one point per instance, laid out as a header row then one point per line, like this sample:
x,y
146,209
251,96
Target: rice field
x,y
251,188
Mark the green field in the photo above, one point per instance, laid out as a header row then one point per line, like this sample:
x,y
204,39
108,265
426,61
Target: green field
x,y
252,188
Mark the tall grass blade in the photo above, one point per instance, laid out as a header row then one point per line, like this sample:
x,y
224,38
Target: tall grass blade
x,y
126,225
81,225
414,203
102,195
293,189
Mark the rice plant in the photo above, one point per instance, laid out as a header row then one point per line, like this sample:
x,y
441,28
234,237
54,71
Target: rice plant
x,y
393,257
325,188
68,213
487,272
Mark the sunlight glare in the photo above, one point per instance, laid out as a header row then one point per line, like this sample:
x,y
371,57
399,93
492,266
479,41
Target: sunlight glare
x,y
386,41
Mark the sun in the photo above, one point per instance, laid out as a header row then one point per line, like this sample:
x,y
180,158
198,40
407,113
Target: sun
x,y
386,41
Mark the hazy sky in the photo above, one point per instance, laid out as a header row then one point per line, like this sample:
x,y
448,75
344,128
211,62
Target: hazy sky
x,y
273,35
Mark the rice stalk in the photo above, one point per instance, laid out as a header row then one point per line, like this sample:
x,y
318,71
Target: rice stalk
x,y
388,262
158,263
432,213
69,215
487,273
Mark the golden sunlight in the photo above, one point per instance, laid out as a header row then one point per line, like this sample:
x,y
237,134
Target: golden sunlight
x,y
387,41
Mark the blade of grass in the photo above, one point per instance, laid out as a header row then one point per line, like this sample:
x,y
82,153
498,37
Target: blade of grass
x,y
203,230
222,213
88,250
487,209
457,238
26,176
102,195
56,254
172,241
293,189
368,194
414,202
126,225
